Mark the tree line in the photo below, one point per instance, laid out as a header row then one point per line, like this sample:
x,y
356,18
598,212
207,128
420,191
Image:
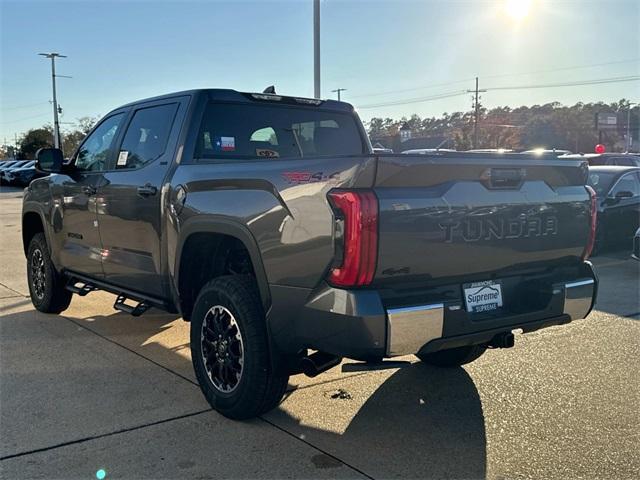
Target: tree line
x,y
31,141
552,125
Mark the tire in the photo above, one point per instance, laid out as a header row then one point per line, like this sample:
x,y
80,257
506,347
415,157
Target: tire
x,y
46,286
236,377
453,357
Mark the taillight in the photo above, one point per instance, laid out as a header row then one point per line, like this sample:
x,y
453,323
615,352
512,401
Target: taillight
x,y
358,209
592,227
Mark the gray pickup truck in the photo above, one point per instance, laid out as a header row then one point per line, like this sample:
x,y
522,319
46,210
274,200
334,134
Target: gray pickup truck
x,y
268,223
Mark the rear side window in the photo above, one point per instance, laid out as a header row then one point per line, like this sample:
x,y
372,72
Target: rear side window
x,y
627,162
147,136
237,131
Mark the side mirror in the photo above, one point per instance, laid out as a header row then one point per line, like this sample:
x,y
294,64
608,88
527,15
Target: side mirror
x,y
49,160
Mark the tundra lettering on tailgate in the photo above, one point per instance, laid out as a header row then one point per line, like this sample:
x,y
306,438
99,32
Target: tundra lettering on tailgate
x,y
473,230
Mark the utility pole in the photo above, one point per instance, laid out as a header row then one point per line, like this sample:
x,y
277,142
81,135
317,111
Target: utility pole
x,y
56,124
476,119
316,48
338,90
629,139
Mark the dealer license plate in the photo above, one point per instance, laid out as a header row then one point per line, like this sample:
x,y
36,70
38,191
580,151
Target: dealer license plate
x,y
483,296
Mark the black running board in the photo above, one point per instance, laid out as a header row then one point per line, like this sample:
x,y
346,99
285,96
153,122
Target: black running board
x,y
81,290
136,310
82,285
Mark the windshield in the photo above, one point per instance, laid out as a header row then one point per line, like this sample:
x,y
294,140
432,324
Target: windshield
x,y
601,182
242,131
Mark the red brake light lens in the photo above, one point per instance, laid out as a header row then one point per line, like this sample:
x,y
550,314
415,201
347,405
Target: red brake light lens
x,y
359,208
592,231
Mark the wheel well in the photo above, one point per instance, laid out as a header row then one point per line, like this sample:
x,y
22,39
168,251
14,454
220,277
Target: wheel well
x,y
31,224
204,257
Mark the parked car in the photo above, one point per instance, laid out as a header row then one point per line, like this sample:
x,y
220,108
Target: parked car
x,y
424,151
22,176
618,201
595,159
7,163
12,165
490,150
636,245
269,224
546,152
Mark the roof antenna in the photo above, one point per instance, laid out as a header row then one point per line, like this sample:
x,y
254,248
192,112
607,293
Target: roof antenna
x,y
270,89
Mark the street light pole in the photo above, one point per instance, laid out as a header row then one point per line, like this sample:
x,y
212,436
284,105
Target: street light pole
x,y
629,139
56,123
316,48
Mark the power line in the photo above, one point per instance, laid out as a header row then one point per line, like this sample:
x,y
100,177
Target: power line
x,y
446,84
415,100
26,106
631,78
26,118
562,69
513,87
435,85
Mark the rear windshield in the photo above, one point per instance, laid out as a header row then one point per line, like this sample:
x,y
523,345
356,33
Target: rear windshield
x,y
231,131
601,182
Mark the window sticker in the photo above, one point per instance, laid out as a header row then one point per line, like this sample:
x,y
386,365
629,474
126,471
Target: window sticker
x,y
225,144
122,158
267,153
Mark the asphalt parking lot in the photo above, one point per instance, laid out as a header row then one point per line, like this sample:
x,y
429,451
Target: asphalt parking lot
x,y
95,389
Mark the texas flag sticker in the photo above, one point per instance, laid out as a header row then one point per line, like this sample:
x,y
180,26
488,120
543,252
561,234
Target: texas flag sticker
x,y
226,144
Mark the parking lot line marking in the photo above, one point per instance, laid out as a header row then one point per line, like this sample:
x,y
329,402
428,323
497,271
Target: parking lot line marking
x,y
18,294
316,447
130,350
95,437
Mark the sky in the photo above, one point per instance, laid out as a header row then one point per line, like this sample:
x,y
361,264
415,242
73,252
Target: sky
x,y
381,52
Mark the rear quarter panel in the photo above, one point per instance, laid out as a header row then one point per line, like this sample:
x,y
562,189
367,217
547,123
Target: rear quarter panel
x,y
282,203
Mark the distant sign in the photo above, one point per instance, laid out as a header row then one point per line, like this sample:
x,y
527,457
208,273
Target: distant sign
x,y
606,121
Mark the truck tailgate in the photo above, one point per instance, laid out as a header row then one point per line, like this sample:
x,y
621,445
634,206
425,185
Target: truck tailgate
x,y
475,216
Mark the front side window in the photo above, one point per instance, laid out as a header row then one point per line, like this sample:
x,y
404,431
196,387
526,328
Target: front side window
x,y
94,152
248,131
147,136
627,183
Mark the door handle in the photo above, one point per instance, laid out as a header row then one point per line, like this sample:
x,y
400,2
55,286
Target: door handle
x,y
147,190
89,190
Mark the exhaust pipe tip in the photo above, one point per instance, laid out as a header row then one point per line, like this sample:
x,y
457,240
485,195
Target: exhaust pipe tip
x,y
317,363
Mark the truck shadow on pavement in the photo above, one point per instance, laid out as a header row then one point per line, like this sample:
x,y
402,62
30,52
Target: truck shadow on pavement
x,y
419,422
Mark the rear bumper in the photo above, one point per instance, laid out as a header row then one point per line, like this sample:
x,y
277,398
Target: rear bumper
x,y
421,329
357,324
